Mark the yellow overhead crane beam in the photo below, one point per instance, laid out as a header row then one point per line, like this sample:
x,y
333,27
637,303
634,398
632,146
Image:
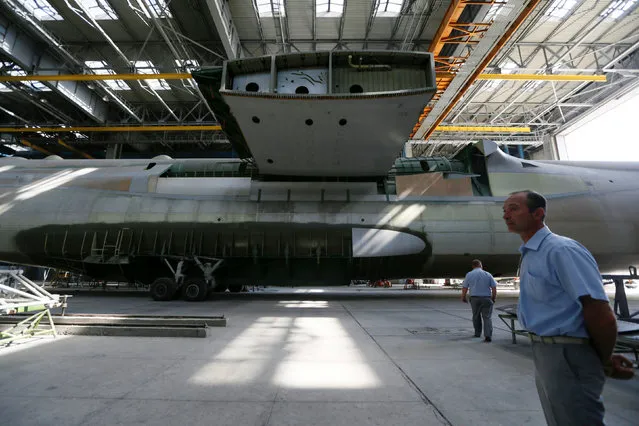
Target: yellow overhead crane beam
x,y
543,77
485,129
182,76
215,128
95,77
89,129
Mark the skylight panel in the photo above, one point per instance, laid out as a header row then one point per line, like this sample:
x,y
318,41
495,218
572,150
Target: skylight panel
x,y
187,65
101,68
100,10
494,10
389,8
560,8
41,9
147,67
618,8
507,67
35,85
155,8
4,88
270,8
329,8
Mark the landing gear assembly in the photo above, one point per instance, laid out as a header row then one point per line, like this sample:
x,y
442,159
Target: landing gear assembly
x,y
191,279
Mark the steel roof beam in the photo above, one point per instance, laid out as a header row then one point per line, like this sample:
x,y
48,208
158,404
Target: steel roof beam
x,y
573,93
262,41
222,18
493,40
53,43
21,49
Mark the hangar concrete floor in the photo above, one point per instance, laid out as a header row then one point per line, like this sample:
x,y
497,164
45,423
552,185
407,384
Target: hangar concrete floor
x,y
294,358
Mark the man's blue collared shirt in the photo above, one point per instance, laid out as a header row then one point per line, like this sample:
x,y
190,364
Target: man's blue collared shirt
x,y
555,272
479,282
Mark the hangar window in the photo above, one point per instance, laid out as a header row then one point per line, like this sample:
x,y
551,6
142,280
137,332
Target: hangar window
x,y
618,8
560,8
329,8
100,10
41,9
270,8
102,68
154,8
388,8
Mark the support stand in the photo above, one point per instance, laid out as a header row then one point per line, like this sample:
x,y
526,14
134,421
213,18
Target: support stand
x,y
19,294
621,308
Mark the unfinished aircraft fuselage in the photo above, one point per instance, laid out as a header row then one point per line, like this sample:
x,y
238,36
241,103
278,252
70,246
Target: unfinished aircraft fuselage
x,y
122,218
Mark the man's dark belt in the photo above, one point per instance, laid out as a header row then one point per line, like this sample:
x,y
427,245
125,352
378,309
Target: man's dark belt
x,y
559,339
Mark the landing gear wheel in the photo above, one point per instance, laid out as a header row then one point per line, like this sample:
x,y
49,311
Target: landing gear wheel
x,y
163,289
194,290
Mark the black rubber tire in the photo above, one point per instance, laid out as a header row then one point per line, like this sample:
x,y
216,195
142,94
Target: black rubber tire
x,y
194,289
163,289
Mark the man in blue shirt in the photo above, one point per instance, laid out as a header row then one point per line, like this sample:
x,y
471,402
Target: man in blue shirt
x,y
563,305
483,291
